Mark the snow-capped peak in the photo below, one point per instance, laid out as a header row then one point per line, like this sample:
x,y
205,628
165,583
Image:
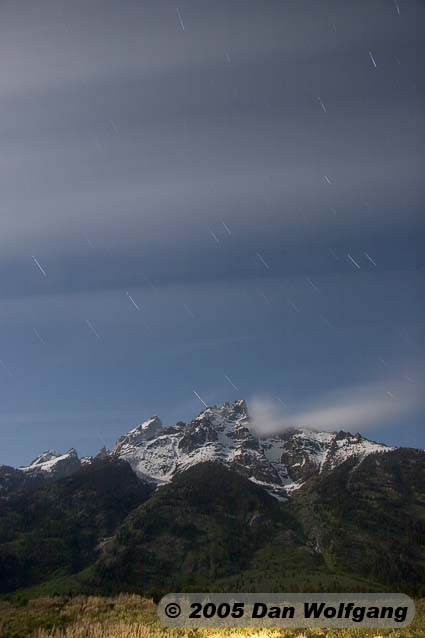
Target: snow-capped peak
x,y
44,457
223,433
53,463
280,462
307,452
143,432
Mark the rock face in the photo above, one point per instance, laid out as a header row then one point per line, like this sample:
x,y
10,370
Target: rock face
x,y
224,434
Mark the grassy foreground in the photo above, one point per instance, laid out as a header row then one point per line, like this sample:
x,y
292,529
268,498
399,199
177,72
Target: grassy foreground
x,y
131,616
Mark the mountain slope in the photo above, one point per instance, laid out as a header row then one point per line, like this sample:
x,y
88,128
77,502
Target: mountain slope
x,y
368,517
357,527
60,524
211,529
206,525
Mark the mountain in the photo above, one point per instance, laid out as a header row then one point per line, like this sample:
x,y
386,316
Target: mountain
x,y
206,525
226,434
214,504
53,464
49,465
357,527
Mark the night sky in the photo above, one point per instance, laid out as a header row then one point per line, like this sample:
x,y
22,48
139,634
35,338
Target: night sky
x,y
219,197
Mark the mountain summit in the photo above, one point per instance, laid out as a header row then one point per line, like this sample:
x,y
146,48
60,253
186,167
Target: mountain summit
x,y
280,463
53,463
225,434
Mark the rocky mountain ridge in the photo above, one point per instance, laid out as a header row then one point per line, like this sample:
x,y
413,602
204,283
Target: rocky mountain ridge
x,y
280,463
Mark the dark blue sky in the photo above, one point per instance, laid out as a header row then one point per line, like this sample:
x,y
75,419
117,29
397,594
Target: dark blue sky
x,y
208,191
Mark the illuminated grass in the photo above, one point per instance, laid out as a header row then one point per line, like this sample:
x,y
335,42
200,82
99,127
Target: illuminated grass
x,y
131,616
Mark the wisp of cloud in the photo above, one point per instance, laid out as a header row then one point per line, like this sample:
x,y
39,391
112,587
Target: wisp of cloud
x,y
352,408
